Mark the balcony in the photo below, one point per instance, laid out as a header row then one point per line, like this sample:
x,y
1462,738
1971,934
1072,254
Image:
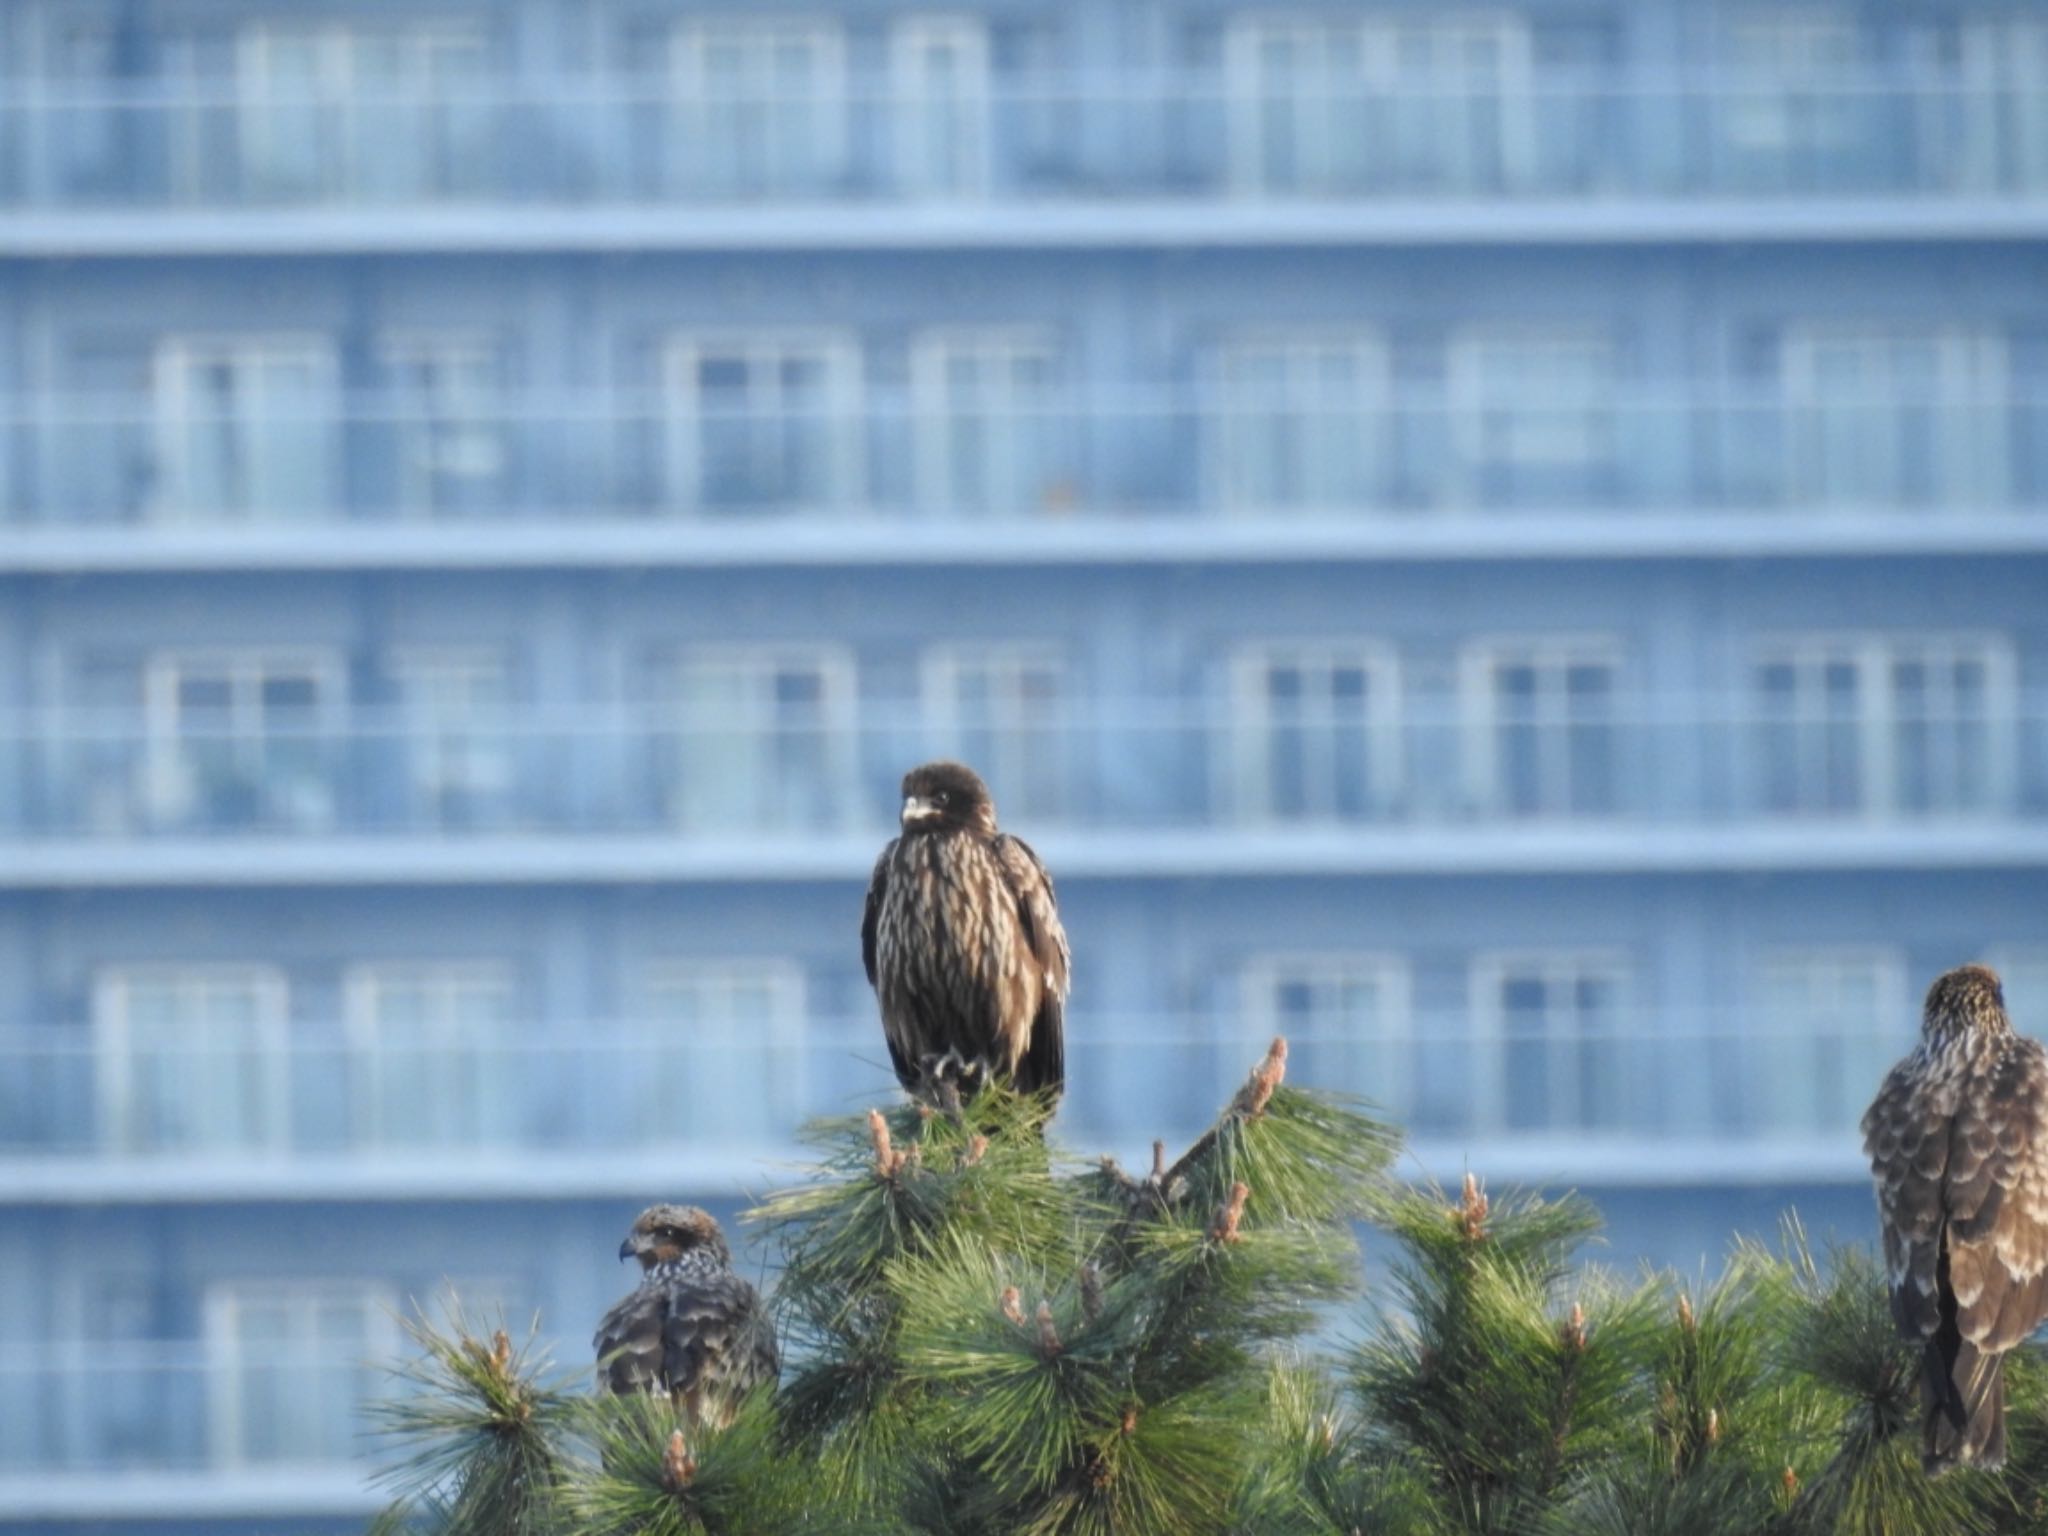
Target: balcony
x,y
1076,472
583,1110
1114,149
291,787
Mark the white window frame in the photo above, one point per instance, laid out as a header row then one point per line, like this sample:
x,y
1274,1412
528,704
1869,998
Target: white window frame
x,y
168,788
1552,658
478,1067
450,425
1758,116
1253,723
762,353
698,90
961,169
1304,413
1784,1054
1021,432
1488,974
1029,770
2005,97
1382,75
1399,1085
1873,656
269,1050
781,1038
175,365
455,746
1538,435
1970,390
753,722
225,1300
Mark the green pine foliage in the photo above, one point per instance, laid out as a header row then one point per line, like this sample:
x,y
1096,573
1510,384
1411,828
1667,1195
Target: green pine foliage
x,y
986,1338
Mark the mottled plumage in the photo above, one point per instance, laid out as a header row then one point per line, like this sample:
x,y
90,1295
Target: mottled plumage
x,y
693,1329
1958,1142
963,945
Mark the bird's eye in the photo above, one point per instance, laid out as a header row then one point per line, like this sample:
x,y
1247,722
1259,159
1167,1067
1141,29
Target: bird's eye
x,y
943,797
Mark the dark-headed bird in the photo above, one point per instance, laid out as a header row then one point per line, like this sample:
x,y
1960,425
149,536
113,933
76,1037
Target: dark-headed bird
x,y
694,1329
1958,1143
963,946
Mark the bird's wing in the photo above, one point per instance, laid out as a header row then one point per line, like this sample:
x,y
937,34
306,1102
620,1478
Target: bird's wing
x,y
1906,1137
711,1347
1997,1200
1045,1055
629,1344
871,916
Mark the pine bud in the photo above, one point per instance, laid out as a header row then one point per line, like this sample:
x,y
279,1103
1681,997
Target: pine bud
x,y
1158,1162
885,1152
501,1355
1574,1330
1013,1305
1224,1228
1686,1320
1713,1425
1791,1482
977,1148
1472,1209
678,1466
1267,1076
1130,1423
1091,1291
1048,1336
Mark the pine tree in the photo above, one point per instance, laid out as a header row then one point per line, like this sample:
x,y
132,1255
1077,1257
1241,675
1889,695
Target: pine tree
x,y
986,1339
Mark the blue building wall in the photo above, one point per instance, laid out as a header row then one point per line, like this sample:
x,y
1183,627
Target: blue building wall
x,y
1506,545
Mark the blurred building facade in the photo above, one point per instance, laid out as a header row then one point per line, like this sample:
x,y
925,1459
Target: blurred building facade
x,y
1507,544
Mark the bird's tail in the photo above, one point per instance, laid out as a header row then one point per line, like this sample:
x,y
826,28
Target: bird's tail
x,y
1962,1391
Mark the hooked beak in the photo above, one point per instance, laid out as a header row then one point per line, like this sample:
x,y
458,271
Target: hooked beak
x,y
917,808
627,1250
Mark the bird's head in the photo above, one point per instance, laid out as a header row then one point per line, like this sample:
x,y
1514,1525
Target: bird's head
x,y
1968,999
941,796
662,1234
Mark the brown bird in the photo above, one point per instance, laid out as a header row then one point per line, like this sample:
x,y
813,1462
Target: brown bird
x,y
1958,1142
693,1329
963,946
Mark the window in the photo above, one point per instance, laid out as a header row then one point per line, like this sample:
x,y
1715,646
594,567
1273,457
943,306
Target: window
x,y
1795,101
1892,414
192,1058
756,740
246,428
242,739
1303,421
2005,97
291,1364
1885,725
1555,1051
1543,738
940,106
431,1061
987,425
766,421
1317,734
345,111
759,108
1399,103
1828,1025
456,727
445,423
1347,1022
1005,709
727,1061
1532,412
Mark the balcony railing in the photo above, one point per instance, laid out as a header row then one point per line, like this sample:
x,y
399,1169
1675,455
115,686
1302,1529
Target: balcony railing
x,y
213,1098
1565,134
1088,452
180,1408
1114,765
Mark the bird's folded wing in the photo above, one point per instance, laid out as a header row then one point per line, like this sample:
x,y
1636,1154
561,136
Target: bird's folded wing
x,y
629,1344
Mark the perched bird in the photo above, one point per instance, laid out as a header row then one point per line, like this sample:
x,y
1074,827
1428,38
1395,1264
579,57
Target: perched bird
x,y
963,945
693,1329
1958,1142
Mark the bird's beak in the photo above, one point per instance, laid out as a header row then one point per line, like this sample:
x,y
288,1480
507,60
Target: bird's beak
x,y
917,808
627,1250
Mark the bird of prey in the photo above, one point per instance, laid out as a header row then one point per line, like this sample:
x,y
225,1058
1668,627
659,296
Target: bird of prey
x,y
963,946
1958,1141
694,1329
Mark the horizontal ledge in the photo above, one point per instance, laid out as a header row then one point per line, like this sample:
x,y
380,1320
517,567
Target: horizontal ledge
x,y
823,541
216,1493
1615,847
1221,222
